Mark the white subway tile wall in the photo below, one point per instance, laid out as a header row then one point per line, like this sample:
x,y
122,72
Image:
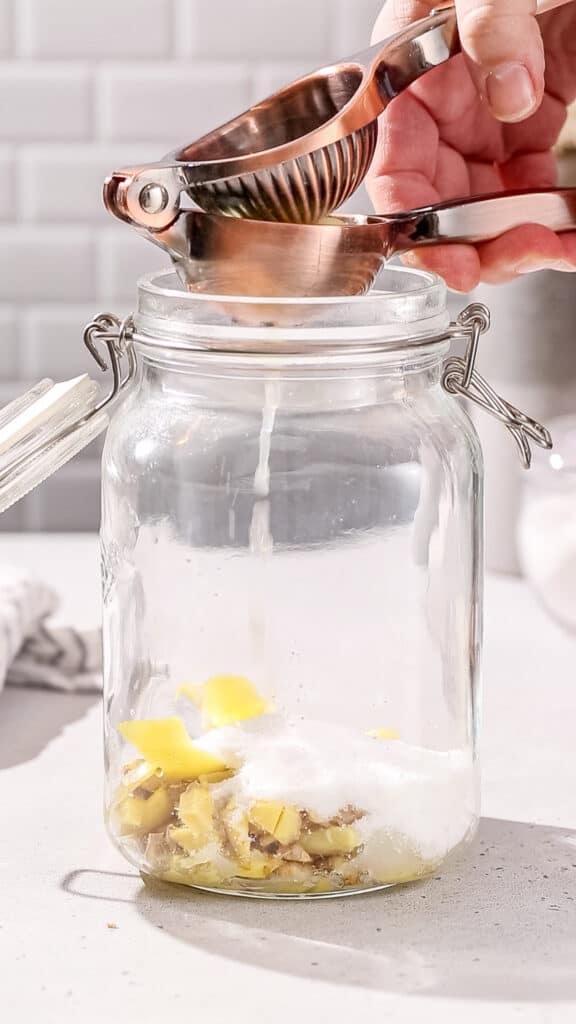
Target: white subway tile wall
x,y
7,183
106,30
5,27
9,362
85,87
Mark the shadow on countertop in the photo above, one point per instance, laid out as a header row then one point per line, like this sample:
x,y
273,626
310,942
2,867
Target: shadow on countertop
x,y
499,926
31,717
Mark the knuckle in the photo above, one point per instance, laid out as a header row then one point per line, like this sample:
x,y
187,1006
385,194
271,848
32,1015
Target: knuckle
x,y
491,35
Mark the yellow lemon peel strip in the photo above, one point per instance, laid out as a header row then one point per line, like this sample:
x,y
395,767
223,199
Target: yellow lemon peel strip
x,y
166,745
385,734
225,699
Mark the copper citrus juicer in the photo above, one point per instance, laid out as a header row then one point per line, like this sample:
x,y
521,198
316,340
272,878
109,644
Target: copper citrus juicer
x,y
264,180
297,155
343,255
265,187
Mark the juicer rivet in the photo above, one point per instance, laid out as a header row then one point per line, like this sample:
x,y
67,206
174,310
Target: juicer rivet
x,y
153,198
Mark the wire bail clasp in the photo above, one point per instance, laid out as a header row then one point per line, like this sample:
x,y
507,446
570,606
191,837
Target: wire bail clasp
x,y
116,335
461,378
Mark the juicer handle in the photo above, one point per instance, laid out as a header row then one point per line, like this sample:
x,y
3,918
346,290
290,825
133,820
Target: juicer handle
x,y
399,61
483,218
542,6
549,5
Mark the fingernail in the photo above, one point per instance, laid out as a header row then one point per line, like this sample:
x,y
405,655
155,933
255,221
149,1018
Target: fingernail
x,y
510,92
565,266
534,265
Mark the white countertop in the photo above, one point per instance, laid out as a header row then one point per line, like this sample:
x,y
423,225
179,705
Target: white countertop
x,y
82,940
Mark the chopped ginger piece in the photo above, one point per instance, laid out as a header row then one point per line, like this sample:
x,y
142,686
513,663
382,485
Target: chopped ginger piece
x,y
184,872
409,872
225,700
326,841
166,745
266,814
137,814
385,734
195,811
260,865
322,885
187,838
236,826
296,854
287,886
287,830
278,819
208,875
211,778
138,775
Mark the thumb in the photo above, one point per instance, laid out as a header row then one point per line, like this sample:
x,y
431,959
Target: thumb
x,y
505,52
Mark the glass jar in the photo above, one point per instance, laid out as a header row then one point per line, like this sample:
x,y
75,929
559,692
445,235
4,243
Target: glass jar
x,y
291,547
292,579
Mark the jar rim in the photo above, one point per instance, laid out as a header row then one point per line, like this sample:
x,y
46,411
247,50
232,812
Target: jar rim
x,y
408,308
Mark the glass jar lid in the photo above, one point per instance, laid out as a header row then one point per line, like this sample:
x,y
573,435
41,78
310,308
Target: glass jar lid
x,y
407,309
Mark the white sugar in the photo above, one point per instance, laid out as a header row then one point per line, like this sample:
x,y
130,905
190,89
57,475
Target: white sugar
x,y
424,796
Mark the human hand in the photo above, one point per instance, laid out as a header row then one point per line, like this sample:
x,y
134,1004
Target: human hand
x,y
486,121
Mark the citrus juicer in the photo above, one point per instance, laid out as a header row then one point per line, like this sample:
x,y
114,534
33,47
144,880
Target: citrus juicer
x,y
290,160
299,154
343,255
268,182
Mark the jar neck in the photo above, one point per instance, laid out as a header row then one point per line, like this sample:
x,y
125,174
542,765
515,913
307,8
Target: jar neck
x,y
300,381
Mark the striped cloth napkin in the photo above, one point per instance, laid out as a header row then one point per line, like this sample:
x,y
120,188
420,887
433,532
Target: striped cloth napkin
x,y
34,653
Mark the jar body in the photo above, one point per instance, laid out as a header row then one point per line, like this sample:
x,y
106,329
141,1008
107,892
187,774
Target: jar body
x,y
292,583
